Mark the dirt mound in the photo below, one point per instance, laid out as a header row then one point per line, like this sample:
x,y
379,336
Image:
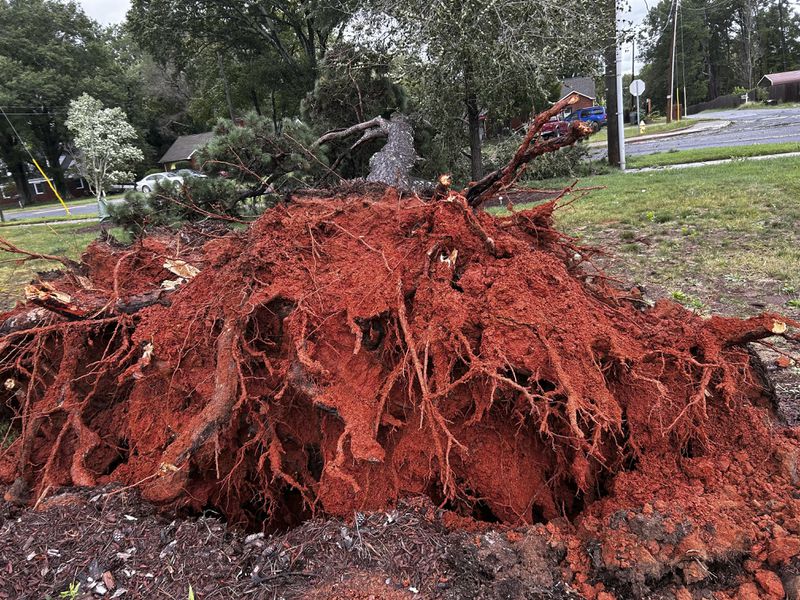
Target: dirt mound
x,y
346,352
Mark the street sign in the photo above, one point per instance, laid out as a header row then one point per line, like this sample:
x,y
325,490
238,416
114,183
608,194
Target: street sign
x,y
637,87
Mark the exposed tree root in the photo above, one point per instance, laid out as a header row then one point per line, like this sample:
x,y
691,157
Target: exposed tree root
x,y
348,351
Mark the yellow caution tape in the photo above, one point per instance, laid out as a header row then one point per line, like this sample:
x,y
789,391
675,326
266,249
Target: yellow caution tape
x,y
50,183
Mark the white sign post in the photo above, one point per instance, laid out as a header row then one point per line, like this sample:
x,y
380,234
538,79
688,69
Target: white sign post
x,y
637,89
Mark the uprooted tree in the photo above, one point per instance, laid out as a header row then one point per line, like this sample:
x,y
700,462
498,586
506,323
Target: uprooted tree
x,y
392,165
356,346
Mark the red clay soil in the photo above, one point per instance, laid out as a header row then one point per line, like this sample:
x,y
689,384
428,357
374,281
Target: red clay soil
x,y
348,351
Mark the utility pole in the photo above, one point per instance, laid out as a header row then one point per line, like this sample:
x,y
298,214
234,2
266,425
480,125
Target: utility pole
x,y
613,91
633,66
620,110
783,34
671,89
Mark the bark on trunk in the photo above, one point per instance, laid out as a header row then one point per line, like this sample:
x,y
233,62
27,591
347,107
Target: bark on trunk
x,y
20,177
256,103
474,121
393,164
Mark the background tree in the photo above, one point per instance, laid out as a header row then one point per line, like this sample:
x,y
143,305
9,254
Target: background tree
x,y
721,46
50,52
461,58
103,140
296,32
355,85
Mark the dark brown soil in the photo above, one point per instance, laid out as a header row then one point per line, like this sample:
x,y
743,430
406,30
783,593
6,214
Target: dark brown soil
x,y
111,542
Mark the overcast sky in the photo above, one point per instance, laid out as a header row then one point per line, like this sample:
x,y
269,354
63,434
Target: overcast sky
x,y
109,12
106,12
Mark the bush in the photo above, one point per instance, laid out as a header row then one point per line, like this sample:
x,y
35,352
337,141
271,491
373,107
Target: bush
x,y
252,165
169,204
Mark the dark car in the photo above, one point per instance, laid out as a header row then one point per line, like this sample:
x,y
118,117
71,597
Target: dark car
x,y
555,127
594,115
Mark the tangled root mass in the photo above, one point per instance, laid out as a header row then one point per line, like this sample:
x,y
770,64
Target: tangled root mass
x,y
344,352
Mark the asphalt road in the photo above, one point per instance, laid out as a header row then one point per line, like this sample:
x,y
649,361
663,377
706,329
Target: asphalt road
x,y
748,127
88,208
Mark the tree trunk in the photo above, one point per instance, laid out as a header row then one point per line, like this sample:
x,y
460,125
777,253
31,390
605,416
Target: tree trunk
x,y
275,120
20,176
256,103
393,164
473,118
474,124
225,85
11,152
46,131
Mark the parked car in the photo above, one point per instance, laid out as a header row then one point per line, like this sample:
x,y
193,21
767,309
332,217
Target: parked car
x,y
147,184
184,173
555,127
594,115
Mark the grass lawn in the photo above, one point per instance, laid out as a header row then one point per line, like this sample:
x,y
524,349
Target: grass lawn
x,y
633,131
39,220
720,237
661,159
749,105
64,239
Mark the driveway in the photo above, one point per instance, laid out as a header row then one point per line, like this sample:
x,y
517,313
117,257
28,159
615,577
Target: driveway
x,y
748,127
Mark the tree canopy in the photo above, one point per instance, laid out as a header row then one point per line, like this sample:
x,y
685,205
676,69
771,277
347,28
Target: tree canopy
x,y
721,46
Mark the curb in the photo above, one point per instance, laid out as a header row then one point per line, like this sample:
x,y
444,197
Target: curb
x,y
696,128
706,163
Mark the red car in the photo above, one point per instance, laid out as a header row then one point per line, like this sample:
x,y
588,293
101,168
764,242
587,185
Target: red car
x,y
555,127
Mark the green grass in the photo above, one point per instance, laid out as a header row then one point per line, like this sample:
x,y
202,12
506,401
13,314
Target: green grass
x,y
41,220
661,159
633,131
749,105
59,239
724,236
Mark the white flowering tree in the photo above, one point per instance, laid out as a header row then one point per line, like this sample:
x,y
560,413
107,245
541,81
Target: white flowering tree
x,y
102,138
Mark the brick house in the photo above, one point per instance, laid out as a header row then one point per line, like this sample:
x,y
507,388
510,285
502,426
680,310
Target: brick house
x,y
40,192
584,87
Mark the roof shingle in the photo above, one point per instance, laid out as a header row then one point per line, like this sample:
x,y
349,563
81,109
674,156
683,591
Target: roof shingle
x,y
185,146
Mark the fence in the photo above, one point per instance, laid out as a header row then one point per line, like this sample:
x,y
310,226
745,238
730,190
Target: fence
x,y
729,101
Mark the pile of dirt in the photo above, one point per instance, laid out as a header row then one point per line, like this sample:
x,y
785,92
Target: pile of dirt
x,y
348,351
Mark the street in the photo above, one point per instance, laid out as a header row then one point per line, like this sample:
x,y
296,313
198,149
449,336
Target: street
x,y
748,127
87,208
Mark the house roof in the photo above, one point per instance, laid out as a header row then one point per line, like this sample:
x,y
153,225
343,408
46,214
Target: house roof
x,y
582,85
781,78
185,146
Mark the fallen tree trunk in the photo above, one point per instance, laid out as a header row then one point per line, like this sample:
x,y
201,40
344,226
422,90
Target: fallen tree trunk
x,y
392,165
